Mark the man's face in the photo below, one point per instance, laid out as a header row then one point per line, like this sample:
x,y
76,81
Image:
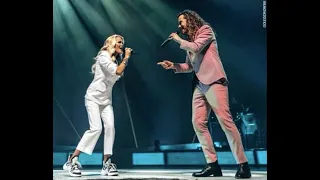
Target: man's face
x,y
182,24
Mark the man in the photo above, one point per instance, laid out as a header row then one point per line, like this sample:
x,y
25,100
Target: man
x,y
211,91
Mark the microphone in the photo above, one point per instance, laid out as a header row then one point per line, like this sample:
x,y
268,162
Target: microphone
x,y
168,39
134,52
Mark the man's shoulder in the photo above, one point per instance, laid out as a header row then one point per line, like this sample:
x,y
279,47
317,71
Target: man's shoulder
x,y
205,26
205,29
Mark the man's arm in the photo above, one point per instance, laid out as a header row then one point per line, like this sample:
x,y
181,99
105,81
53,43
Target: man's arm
x,y
204,37
183,67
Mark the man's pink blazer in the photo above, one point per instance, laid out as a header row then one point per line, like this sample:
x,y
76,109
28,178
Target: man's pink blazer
x,y
203,51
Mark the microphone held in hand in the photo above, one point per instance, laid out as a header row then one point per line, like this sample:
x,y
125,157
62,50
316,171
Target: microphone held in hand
x,y
168,39
134,52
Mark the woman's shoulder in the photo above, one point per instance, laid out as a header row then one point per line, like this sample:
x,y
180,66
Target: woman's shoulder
x,y
103,56
103,53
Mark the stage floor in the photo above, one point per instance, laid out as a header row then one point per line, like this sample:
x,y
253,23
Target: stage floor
x,y
152,175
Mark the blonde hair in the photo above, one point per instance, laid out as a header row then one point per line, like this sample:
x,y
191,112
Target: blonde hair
x,y
109,44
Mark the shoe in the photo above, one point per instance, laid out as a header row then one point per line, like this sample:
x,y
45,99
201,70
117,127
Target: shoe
x,y
243,171
210,169
109,169
67,165
75,168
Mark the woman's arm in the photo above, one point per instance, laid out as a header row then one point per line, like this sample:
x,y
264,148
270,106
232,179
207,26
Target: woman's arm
x,y
122,66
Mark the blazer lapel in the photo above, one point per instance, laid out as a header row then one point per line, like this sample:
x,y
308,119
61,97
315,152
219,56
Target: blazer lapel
x,y
190,54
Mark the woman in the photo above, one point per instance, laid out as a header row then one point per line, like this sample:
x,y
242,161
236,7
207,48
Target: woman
x,y
98,102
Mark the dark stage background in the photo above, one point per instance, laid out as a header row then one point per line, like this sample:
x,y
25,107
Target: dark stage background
x,y
159,100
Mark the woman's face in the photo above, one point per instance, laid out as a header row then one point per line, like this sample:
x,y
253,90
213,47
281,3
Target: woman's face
x,y
119,45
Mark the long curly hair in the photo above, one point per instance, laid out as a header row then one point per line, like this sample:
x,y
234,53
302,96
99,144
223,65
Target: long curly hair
x,y
109,44
194,22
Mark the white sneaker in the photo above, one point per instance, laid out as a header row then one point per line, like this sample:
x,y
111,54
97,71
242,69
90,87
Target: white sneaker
x,y
67,165
109,169
75,168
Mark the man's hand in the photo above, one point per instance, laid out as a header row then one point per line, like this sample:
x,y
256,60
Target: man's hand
x,y
166,64
175,37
